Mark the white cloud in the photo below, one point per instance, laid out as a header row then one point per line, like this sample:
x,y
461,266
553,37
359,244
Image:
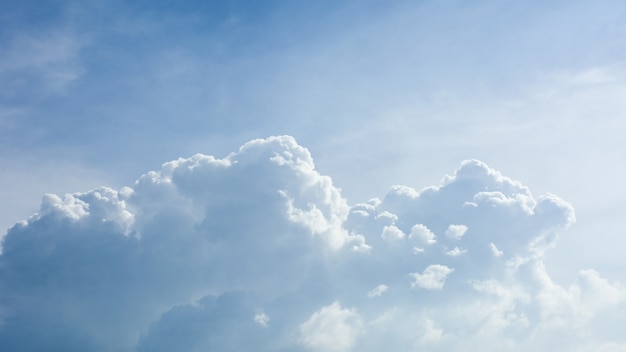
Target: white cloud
x,y
392,233
423,233
386,217
432,278
432,334
456,231
205,250
332,328
456,251
261,319
496,252
378,291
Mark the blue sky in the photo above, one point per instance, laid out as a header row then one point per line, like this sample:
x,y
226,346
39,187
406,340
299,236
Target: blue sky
x,y
381,93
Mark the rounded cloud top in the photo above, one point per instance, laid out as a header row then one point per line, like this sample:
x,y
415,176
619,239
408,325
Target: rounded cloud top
x,y
258,251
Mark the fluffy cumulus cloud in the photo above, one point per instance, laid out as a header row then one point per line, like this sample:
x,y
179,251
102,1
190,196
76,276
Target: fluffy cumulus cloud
x,y
456,231
332,328
258,251
432,278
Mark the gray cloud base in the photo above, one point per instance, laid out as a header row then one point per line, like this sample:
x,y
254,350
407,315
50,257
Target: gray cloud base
x,y
258,251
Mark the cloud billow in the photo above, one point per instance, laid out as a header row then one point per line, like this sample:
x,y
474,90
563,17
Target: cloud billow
x,y
258,251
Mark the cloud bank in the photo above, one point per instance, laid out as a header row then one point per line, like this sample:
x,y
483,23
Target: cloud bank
x,y
258,251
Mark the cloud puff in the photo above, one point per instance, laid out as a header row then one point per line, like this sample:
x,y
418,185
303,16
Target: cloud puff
x,y
423,233
456,231
332,328
261,318
432,278
254,251
392,233
378,291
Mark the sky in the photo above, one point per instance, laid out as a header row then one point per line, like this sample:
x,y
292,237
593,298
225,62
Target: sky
x,y
315,176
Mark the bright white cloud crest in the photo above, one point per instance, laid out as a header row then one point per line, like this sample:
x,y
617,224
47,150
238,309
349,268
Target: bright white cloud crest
x,y
258,251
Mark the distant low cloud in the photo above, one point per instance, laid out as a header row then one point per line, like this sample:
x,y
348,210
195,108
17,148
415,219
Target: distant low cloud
x,y
332,328
261,318
456,231
378,291
423,233
258,251
432,278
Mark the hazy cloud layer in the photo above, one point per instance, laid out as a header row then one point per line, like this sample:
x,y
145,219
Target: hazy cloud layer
x,y
258,251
